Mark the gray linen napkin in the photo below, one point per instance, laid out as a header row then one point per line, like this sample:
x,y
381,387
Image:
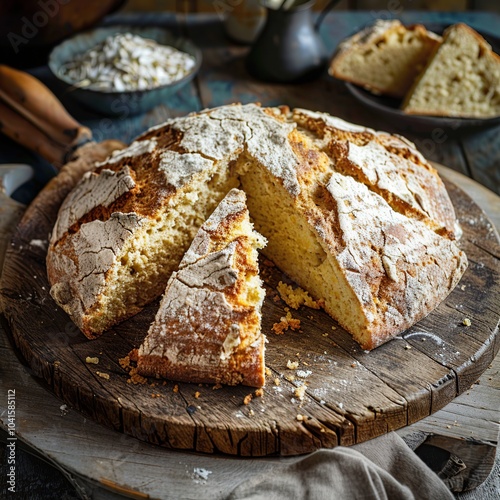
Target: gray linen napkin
x,y
384,468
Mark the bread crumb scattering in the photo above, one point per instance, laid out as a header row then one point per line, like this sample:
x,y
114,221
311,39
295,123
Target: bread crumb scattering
x,y
134,377
259,393
103,375
289,377
292,365
467,322
92,360
268,372
197,394
247,399
251,413
176,388
277,381
285,323
296,297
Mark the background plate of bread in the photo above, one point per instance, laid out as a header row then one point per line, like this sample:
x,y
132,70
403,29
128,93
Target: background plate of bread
x,y
425,76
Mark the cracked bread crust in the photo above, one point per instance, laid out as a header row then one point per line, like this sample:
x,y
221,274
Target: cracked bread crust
x,y
207,328
174,180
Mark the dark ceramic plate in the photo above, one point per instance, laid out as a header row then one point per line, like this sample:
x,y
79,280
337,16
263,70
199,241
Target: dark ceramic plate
x,y
389,107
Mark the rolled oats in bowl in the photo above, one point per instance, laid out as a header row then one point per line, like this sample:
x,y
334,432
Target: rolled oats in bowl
x,y
124,70
127,62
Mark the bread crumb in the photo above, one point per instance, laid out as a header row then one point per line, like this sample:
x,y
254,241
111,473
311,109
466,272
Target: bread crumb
x,y
134,355
216,387
197,394
407,347
285,323
176,388
251,413
296,297
325,334
292,365
290,377
93,361
467,322
247,399
300,391
103,375
124,362
135,378
353,365
268,372
277,381
334,327
259,393
300,417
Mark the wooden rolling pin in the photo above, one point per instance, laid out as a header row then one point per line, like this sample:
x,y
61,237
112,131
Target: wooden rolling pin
x,y
32,116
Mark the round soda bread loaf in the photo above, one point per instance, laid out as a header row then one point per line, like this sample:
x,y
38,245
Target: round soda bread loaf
x,y
356,217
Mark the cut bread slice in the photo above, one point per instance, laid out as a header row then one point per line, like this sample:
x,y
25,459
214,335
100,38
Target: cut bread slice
x,y
461,79
384,58
207,328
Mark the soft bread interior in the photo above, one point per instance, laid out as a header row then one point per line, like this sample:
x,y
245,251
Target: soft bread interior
x,y
148,259
295,248
462,79
388,65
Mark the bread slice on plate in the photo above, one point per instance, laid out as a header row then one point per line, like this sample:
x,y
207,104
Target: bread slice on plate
x,y
384,58
462,78
207,328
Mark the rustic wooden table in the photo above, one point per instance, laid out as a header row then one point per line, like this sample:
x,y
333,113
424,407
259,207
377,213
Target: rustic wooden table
x,y
76,445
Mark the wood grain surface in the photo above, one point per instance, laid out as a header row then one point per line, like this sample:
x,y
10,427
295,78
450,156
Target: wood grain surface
x,y
351,395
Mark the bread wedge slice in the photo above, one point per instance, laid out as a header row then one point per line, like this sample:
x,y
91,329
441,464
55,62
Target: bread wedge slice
x,y
384,58
462,78
207,328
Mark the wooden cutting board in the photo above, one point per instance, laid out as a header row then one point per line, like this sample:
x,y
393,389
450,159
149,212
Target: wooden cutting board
x,y
351,395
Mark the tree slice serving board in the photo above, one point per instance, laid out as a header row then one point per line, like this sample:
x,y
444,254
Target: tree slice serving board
x,y
351,395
